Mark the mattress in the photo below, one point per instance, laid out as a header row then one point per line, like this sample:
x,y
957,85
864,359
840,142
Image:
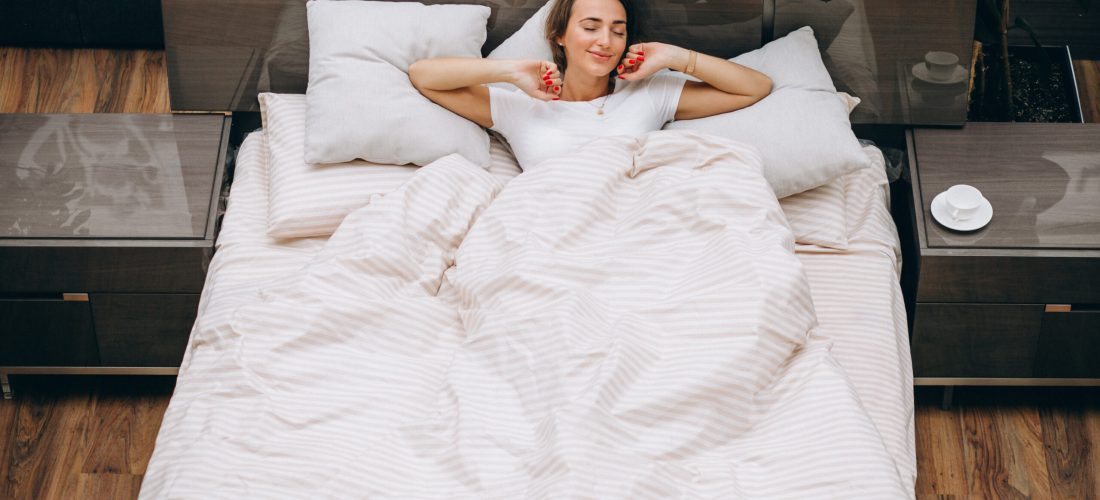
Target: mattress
x,y
855,292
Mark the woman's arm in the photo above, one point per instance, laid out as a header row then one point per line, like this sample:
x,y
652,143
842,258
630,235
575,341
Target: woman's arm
x,y
456,83
726,86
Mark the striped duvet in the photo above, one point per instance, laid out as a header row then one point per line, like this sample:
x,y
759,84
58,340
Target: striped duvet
x,y
627,322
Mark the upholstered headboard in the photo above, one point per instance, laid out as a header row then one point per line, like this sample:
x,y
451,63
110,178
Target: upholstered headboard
x,y
221,53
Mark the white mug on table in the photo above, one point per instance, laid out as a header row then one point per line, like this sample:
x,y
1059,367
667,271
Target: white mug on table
x,y
963,201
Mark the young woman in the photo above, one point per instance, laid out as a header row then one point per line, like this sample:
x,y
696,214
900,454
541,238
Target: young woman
x,y
600,84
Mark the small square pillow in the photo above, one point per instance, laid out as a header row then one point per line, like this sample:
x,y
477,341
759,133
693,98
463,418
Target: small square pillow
x,y
312,200
801,128
819,216
361,103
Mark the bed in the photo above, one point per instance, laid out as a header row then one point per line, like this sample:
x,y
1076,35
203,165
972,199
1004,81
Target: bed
x,y
855,292
472,331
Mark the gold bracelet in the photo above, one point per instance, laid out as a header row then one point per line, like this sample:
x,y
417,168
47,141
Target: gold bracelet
x,y
690,69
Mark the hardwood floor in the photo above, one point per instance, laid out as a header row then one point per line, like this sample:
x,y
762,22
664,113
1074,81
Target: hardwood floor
x,y
71,437
1088,87
82,81
91,437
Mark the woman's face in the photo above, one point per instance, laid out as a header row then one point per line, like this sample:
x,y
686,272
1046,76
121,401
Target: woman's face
x,y
595,37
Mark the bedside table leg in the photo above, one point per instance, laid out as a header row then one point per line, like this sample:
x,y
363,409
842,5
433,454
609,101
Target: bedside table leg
x,y
5,385
948,396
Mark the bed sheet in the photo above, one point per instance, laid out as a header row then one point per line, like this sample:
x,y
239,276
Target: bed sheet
x,y
855,292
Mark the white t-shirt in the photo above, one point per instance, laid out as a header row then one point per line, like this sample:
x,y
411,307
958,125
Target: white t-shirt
x,y
538,130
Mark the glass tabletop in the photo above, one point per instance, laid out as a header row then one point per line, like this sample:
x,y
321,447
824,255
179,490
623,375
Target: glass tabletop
x,y
1041,179
107,175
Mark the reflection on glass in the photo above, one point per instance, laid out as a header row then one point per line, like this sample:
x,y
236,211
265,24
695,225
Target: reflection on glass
x,y
73,175
285,66
1063,221
722,28
847,49
934,87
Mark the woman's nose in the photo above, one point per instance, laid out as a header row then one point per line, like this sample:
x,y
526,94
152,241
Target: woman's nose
x,y
605,38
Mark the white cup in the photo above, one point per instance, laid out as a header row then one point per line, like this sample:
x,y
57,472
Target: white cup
x,y
941,65
963,201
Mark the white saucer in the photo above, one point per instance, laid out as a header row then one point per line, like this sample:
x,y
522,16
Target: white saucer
x,y
920,70
978,221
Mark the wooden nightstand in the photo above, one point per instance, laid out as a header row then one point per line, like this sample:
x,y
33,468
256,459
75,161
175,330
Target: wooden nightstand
x,y
1015,302
107,225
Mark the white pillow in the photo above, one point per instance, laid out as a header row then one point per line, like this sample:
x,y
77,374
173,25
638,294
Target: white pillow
x,y
850,101
311,200
819,216
361,103
791,61
801,128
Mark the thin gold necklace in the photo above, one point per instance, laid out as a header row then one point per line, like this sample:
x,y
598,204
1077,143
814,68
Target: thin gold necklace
x,y
599,109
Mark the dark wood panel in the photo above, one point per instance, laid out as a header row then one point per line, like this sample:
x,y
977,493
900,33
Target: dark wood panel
x,y
1061,22
954,276
39,23
870,47
219,62
121,23
1069,345
159,268
975,340
107,175
1039,177
46,332
143,329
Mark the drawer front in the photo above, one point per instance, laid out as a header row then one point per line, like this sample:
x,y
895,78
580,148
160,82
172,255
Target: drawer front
x,y
1069,345
46,332
975,340
143,329
163,269
1009,280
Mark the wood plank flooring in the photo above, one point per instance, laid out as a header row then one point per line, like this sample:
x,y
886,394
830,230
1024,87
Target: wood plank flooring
x,y
70,437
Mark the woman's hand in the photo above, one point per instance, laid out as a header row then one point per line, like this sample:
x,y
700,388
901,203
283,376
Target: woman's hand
x,y
538,79
644,59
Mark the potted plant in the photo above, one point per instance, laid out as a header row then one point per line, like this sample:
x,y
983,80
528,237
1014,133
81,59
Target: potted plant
x,y
1019,83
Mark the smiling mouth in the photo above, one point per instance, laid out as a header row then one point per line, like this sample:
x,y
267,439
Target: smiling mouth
x,y
600,57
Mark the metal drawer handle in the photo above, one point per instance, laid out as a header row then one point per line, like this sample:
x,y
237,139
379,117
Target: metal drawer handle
x,y
83,297
1059,308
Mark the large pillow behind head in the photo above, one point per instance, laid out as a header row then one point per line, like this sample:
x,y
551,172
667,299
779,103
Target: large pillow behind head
x,y
801,128
360,101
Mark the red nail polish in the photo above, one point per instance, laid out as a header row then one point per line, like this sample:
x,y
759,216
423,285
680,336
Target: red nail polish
x,y
621,77
620,67
641,52
641,58
557,89
631,61
557,98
